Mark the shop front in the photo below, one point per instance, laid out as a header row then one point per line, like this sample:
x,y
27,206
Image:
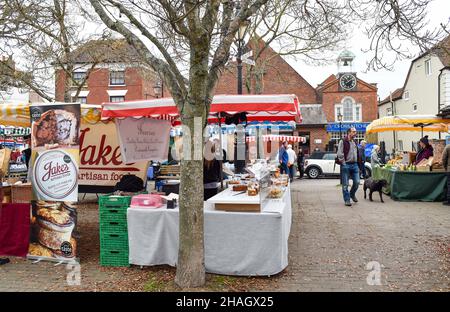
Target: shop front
x,y
337,130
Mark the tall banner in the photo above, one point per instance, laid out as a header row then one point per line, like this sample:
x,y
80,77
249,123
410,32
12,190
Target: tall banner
x,y
101,162
143,139
55,147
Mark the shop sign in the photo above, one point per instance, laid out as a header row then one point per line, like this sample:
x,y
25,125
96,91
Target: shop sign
x,y
337,127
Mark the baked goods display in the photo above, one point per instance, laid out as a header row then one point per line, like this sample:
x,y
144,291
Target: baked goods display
x,y
253,189
53,224
66,128
239,188
275,192
55,127
44,129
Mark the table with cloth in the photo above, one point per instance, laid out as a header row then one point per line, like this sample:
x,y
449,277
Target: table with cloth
x,y
413,185
236,243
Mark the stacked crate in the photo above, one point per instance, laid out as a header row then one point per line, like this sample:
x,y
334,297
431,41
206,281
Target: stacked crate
x,y
113,230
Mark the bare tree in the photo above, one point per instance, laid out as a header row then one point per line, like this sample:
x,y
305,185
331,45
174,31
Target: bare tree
x,y
43,37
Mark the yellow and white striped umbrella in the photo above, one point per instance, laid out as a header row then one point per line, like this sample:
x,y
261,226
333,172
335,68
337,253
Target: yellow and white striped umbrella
x,y
15,114
18,114
409,123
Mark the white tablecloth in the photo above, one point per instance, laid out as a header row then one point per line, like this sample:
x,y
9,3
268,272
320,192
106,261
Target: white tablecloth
x,y
236,243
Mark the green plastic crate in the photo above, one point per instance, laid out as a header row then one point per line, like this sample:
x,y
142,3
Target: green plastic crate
x,y
122,261
112,239
114,227
106,217
114,201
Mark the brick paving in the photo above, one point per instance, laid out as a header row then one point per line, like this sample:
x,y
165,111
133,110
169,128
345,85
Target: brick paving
x,y
329,248
331,244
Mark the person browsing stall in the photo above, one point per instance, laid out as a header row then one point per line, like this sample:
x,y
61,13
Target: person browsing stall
x,y
426,150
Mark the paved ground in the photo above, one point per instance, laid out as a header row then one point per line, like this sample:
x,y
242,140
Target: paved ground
x,y
331,244
329,248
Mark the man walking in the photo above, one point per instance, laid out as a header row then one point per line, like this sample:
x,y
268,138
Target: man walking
x,y
349,160
362,158
446,164
283,158
291,162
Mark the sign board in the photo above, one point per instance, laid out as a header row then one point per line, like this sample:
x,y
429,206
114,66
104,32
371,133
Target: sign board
x,y
317,141
337,127
101,161
143,139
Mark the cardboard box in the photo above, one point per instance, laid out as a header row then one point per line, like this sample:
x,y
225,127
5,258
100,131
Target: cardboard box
x,y
423,168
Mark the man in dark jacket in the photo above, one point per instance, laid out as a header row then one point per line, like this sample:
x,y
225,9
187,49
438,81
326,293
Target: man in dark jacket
x,y
349,161
301,163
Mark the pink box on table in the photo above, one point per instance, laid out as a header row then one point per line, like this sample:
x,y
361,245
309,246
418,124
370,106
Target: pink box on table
x,y
146,201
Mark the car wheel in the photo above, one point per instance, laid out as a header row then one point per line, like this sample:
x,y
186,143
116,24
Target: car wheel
x,y
368,172
313,173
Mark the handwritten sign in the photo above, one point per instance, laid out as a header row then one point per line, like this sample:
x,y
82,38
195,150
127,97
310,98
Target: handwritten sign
x,y
143,139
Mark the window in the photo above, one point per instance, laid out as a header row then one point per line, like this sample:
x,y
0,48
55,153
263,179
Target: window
x,y
348,110
78,77
117,78
329,156
116,98
388,111
80,99
428,67
406,95
357,113
414,107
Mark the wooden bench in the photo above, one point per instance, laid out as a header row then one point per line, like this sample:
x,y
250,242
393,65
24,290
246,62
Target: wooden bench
x,y
169,172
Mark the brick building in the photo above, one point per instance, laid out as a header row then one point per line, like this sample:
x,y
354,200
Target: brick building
x,y
116,76
346,101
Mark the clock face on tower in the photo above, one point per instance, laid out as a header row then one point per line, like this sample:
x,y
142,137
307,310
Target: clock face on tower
x,y
347,82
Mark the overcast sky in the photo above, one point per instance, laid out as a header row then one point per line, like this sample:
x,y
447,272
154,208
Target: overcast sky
x,y
439,12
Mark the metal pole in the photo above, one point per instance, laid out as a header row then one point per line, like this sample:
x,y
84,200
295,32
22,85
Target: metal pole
x,y
239,68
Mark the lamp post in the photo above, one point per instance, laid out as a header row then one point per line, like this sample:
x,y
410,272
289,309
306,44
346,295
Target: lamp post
x,y
339,117
240,35
158,89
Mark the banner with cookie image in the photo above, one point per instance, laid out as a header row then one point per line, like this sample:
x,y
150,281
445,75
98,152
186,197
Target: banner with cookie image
x,y
55,164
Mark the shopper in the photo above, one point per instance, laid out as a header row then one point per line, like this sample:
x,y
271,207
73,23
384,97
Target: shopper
x,y
426,150
301,163
348,158
446,164
374,156
27,152
283,158
211,175
291,162
362,158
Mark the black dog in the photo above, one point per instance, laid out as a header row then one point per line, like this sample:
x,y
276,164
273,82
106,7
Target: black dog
x,y
374,186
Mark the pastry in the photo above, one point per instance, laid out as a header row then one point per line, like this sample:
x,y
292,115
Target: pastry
x,y
44,129
275,193
39,250
239,188
252,192
54,216
66,128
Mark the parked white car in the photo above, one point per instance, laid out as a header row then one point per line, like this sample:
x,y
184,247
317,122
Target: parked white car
x,y
322,164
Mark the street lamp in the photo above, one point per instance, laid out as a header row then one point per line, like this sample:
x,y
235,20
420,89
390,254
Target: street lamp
x,y
240,44
158,88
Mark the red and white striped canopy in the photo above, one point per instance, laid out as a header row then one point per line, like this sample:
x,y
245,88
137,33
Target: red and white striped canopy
x,y
278,138
276,107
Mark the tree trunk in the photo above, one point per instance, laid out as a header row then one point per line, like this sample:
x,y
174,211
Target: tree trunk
x,y
190,267
68,84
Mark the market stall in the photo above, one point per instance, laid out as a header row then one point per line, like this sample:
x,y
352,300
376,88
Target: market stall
x,y
264,195
412,185
408,180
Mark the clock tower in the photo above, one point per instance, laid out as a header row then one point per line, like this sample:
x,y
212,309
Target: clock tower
x,y
346,73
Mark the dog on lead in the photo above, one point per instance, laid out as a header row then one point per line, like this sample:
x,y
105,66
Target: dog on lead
x,y
374,186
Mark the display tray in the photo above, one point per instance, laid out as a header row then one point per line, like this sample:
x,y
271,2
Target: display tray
x,y
239,202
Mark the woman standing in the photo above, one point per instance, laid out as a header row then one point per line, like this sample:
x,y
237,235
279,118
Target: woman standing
x,y
374,158
426,150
